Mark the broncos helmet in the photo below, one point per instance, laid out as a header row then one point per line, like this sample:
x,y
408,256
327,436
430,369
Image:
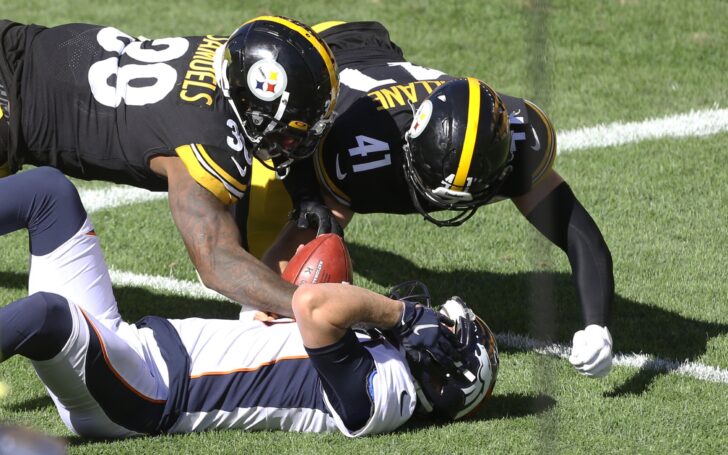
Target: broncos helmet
x,y
456,394
457,149
445,393
281,81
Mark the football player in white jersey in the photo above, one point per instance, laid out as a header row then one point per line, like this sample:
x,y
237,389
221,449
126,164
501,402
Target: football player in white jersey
x,y
109,378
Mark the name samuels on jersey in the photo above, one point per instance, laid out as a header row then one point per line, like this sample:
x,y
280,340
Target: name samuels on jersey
x,y
199,84
168,90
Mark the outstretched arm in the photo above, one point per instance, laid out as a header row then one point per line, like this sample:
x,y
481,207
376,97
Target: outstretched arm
x,y
554,210
325,312
213,243
359,384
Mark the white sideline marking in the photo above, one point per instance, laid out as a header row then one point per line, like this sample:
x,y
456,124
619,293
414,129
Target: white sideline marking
x,y
694,123
691,369
115,196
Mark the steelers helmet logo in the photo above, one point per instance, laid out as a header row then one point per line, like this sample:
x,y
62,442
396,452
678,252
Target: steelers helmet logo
x,y
267,79
422,118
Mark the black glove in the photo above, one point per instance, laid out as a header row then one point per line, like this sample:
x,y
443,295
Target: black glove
x,y
424,332
315,214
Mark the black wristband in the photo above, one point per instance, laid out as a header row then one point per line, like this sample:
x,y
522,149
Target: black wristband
x,y
301,183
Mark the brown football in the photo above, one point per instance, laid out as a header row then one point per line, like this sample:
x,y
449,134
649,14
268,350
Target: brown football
x,y
324,259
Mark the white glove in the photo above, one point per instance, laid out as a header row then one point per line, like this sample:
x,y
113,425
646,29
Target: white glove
x,y
591,352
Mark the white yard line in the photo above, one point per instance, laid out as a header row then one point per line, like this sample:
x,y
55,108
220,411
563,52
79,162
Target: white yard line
x,y
695,123
115,196
167,285
692,369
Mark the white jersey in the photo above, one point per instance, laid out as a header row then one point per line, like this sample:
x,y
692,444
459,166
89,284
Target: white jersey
x,y
114,379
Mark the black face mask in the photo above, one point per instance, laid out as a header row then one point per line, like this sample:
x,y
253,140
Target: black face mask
x,y
464,209
282,143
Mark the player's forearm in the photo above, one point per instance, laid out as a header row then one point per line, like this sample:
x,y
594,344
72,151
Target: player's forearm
x,y
563,220
213,243
325,311
242,278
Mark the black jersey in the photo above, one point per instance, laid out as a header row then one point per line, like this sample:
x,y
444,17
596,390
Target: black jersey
x,y
360,161
99,104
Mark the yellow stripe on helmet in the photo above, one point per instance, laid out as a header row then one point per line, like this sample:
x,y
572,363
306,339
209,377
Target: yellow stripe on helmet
x,y
471,133
319,45
320,27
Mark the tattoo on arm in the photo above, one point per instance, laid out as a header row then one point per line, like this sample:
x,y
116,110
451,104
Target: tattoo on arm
x,y
213,243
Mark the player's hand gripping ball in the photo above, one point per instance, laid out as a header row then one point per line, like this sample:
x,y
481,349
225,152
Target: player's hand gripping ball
x,y
324,259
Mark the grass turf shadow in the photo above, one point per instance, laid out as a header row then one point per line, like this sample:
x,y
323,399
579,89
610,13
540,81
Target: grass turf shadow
x,y
31,404
545,305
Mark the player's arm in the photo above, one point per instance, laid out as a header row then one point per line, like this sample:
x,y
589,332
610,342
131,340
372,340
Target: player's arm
x,y
555,211
284,247
309,209
362,386
324,312
212,239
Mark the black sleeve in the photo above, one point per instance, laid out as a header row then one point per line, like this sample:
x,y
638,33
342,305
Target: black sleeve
x,y
563,220
301,183
345,369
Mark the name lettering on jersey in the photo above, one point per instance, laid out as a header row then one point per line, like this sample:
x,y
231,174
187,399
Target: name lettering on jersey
x,y
199,83
399,95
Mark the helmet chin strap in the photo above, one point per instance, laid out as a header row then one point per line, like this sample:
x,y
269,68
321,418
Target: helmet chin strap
x,y
281,170
457,220
422,398
463,215
219,66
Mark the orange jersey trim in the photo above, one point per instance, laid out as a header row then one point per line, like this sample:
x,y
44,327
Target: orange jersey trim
x,y
113,370
243,370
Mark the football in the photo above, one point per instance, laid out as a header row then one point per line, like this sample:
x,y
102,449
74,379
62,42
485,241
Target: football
x,y
324,259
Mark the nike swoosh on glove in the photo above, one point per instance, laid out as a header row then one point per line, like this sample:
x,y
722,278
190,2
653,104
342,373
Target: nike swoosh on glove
x,y
591,351
422,332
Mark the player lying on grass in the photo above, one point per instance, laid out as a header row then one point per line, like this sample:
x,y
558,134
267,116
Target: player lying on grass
x,y
109,378
179,114
465,146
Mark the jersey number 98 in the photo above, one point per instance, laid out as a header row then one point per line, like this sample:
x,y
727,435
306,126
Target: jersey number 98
x,y
152,68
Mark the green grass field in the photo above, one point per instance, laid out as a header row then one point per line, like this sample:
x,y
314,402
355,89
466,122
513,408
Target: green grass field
x,y
661,205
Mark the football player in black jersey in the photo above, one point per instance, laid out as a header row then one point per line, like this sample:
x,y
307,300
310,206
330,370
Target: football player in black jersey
x,y
179,114
464,147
